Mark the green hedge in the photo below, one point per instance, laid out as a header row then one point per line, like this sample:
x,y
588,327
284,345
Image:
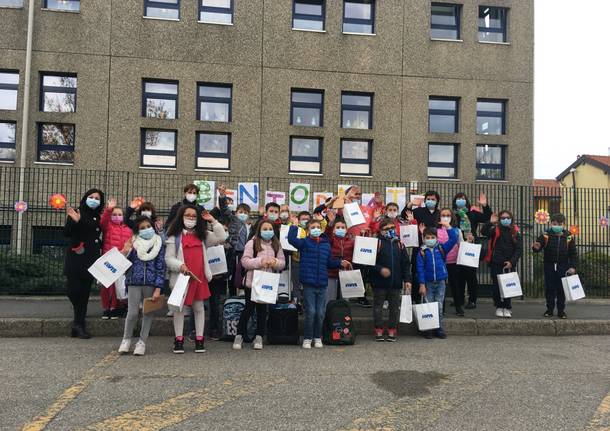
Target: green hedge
x,y
31,275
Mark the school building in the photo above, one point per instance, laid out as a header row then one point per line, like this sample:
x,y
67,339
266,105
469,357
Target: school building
x,y
389,90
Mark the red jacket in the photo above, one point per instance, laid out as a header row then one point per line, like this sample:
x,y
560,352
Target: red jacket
x,y
115,235
340,248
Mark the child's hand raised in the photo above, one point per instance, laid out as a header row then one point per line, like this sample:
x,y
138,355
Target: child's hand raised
x,y
536,245
111,203
136,202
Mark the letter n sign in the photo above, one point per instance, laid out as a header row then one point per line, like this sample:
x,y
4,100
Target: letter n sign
x,y
247,193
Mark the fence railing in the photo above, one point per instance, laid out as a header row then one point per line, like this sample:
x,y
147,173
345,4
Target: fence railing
x,y
38,268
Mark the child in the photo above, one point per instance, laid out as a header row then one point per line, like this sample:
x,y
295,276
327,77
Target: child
x,y
503,254
218,287
116,233
342,247
285,214
315,260
300,221
146,209
456,283
239,230
432,270
191,191
390,276
145,279
560,259
272,214
263,252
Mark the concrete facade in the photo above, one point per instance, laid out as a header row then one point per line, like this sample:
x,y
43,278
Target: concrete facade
x,y
111,48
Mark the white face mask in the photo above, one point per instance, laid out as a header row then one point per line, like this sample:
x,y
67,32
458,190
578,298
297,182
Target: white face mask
x,y
189,223
446,219
392,214
190,197
284,215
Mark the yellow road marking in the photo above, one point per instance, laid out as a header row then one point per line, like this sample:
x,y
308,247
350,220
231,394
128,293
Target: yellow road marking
x,y
40,422
601,419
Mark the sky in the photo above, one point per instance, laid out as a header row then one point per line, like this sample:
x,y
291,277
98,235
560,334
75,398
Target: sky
x,y
571,83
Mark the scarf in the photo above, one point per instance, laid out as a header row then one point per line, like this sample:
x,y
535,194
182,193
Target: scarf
x,y
147,249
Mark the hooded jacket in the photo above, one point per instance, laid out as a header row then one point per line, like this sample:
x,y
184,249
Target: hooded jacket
x,y
558,249
315,258
115,235
391,254
431,265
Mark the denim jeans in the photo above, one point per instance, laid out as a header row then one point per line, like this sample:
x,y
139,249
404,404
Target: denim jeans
x,y
315,307
435,292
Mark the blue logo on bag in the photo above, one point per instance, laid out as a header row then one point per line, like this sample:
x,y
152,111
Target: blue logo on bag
x,y
469,253
348,285
110,267
266,287
427,316
215,260
366,250
511,284
576,286
355,213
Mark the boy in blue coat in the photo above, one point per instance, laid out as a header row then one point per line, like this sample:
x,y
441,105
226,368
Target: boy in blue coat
x,y
432,270
315,260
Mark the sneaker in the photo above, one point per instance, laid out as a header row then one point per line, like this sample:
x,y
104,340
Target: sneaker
x,y
215,335
379,334
125,346
364,302
238,342
440,334
548,313
391,335
317,343
199,347
562,315
427,335
170,313
471,306
258,343
459,311
140,348
179,345
307,344
114,314
106,315
499,312
508,313
386,304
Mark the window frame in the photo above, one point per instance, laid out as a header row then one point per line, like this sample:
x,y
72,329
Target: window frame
x,y
454,165
492,114
501,165
202,99
9,145
445,112
165,96
360,108
307,105
160,4
503,30
317,160
210,155
64,148
45,5
305,17
458,21
368,162
51,89
12,87
213,9
12,7
144,151
361,21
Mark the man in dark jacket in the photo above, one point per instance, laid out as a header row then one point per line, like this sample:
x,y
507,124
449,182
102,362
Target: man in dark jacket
x,y
191,191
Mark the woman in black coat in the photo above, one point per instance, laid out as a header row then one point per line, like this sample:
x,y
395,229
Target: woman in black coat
x,y
85,242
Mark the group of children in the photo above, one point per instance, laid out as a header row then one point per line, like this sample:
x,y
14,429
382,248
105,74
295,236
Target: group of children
x,y
325,245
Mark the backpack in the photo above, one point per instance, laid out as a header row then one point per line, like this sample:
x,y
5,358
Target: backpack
x,y
338,327
486,253
283,321
231,312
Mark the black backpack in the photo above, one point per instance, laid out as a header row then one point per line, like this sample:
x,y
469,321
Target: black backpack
x,y
283,322
338,328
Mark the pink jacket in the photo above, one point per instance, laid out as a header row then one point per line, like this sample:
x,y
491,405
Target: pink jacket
x,y
443,237
115,235
250,263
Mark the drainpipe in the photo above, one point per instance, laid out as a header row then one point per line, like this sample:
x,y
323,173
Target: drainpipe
x,y
573,171
24,121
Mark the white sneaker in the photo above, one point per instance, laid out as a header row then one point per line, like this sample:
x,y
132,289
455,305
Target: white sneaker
x,y
508,313
307,344
140,348
238,342
317,343
386,304
125,346
499,312
258,343
170,313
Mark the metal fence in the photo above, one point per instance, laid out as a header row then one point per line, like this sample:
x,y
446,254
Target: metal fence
x,y
37,269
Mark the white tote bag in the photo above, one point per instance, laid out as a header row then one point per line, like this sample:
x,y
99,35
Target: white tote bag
x,y
409,235
217,260
572,287
406,309
284,285
353,215
120,288
365,250
286,246
468,254
178,295
426,316
510,285
108,268
352,285
265,287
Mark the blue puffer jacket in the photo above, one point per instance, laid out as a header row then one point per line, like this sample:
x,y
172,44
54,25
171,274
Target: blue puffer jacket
x,y
316,258
431,261
150,273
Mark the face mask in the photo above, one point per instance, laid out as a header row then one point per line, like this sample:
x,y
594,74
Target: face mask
x,y
460,203
93,203
284,216
316,232
242,217
505,222
392,214
557,229
267,234
147,233
446,219
226,235
390,234
303,223
190,197
430,242
189,223
272,216
430,204
146,214
117,219
340,232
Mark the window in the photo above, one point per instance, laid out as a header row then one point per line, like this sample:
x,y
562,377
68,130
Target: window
x,y
216,11
492,24
491,162
308,14
214,102
356,110
11,3
442,160
162,9
160,99
305,155
307,107
58,92
7,141
443,115
65,5
158,148
213,151
49,240
56,143
359,16
445,21
491,117
356,157
9,84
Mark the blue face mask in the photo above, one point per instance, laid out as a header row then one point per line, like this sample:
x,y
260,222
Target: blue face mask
x,y
272,216
390,234
460,203
430,242
267,234
303,223
315,232
93,203
506,222
242,217
147,233
430,204
557,229
340,232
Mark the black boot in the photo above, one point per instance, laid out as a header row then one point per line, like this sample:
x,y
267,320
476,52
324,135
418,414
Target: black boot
x,y
78,331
